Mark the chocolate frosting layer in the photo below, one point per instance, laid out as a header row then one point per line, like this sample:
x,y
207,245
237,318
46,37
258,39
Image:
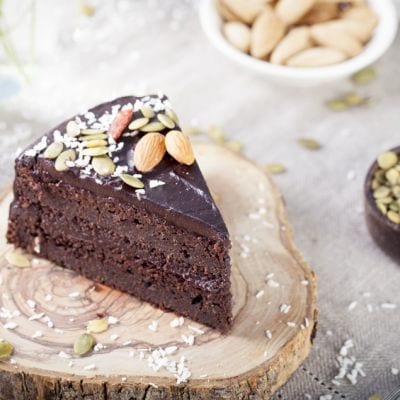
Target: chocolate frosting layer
x,y
184,199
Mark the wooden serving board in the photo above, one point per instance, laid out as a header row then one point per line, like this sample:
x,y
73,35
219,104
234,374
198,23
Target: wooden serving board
x,y
267,274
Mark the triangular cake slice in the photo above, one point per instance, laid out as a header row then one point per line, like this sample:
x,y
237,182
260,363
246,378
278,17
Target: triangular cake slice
x,y
79,202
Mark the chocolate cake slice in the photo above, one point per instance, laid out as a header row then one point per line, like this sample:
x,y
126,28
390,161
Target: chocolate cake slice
x,y
116,195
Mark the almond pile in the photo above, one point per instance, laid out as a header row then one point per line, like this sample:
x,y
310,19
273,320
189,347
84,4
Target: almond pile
x,y
298,33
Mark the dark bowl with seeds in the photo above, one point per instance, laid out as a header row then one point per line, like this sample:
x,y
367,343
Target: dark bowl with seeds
x,y
382,202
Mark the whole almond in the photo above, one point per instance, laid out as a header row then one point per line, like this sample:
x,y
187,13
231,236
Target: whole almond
x,y
316,57
291,11
328,35
296,40
179,147
320,12
238,34
245,10
364,21
266,33
225,13
149,151
120,122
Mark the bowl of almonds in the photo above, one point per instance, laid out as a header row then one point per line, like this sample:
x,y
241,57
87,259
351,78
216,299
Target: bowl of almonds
x,y
301,42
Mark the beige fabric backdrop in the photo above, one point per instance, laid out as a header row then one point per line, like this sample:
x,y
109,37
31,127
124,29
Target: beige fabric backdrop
x,y
133,47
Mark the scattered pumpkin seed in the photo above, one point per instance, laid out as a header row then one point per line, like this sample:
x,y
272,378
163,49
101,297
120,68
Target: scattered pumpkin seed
x,y
153,127
103,165
275,168
67,155
6,350
73,129
84,344
138,123
337,105
95,143
99,136
387,160
132,181
309,143
92,131
87,10
365,75
147,112
53,150
216,134
393,216
166,121
95,151
18,258
172,115
190,131
97,325
234,145
394,206
353,99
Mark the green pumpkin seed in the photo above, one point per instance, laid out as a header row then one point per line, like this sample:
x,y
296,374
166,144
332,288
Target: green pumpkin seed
x,y
138,123
387,160
18,258
6,350
153,127
381,192
392,175
95,151
92,131
393,216
132,181
394,206
53,150
364,76
147,112
103,165
166,121
234,145
172,115
309,143
67,155
384,200
84,344
337,105
375,184
190,131
95,143
72,129
97,325
382,208
353,99
396,191
275,168
99,136
216,134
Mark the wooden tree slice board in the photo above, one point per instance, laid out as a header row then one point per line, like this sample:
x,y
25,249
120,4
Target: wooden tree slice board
x,y
244,364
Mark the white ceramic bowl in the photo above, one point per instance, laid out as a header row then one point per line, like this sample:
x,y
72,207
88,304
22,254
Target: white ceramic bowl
x,y
383,37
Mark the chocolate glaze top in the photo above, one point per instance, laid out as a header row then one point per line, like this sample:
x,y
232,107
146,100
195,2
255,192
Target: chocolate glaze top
x,y
184,199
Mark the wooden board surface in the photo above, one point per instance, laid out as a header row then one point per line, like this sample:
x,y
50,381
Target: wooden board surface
x,y
267,274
